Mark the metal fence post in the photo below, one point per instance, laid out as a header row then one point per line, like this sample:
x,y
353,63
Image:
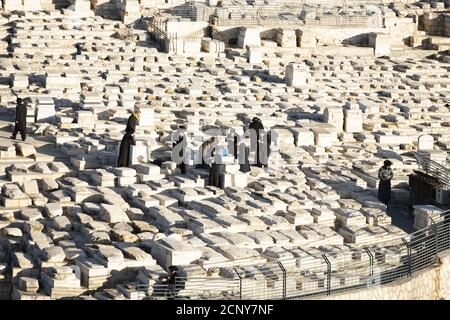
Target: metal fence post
x,y
371,260
178,285
445,234
328,273
436,236
284,278
409,255
240,283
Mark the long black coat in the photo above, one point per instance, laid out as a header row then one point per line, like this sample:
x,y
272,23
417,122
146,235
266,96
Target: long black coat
x,y
269,142
384,191
215,178
184,167
259,130
21,117
124,159
245,165
131,124
235,146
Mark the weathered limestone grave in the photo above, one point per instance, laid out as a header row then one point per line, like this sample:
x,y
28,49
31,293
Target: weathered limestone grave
x,y
72,222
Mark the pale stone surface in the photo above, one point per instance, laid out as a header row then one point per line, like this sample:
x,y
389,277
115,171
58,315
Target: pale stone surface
x,y
339,94
425,142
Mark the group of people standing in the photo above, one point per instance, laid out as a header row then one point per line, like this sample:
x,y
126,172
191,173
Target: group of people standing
x,y
208,151
240,152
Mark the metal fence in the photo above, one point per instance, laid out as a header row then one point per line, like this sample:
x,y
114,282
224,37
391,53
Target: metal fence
x,y
320,272
434,169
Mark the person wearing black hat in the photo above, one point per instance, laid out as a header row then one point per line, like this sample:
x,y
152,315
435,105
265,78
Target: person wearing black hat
x,y
179,146
258,129
172,281
215,174
385,175
21,120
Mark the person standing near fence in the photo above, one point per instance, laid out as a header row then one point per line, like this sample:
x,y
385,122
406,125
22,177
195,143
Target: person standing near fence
x,y
172,290
385,175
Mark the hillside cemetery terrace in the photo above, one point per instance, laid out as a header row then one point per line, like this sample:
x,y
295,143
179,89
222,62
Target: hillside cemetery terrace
x,y
342,86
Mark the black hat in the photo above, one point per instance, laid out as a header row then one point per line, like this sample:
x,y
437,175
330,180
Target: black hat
x,y
387,163
173,269
19,100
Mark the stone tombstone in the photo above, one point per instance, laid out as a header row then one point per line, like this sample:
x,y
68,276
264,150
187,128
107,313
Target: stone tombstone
x,y
381,43
286,38
147,117
353,120
335,117
306,39
45,109
254,54
296,74
425,142
249,36
140,152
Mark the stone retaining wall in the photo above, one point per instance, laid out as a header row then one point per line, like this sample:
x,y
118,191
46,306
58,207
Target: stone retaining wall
x,y
429,284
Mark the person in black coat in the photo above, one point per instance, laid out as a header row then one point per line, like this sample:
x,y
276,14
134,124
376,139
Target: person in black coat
x,y
268,143
21,120
235,146
215,175
244,164
258,128
132,122
172,288
124,159
385,175
207,150
234,137
182,166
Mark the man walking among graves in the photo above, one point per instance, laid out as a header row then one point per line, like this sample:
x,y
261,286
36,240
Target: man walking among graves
x,y
124,159
215,174
178,148
385,175
257,128
21,120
